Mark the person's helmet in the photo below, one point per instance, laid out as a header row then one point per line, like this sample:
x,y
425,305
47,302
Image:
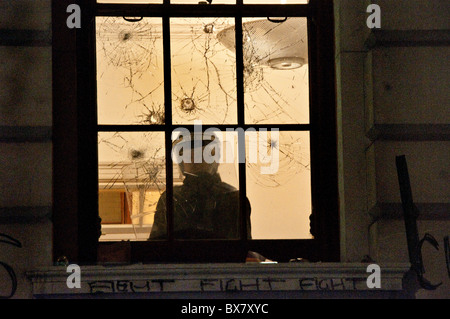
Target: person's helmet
x,y
192,141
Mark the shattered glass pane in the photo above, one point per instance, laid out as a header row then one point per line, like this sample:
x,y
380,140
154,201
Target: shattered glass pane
x,y
279,184
134,163
275,71
203,72
129,71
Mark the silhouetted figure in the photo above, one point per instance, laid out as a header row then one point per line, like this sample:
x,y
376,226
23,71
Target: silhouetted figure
x,y
205,207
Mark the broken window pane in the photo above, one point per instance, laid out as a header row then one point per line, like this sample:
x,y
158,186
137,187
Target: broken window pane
x,y
132,163
129,71
276,89
203,72
203,75
276,71
279,184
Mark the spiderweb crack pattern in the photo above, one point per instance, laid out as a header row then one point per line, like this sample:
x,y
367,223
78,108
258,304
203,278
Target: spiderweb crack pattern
x,y
203,88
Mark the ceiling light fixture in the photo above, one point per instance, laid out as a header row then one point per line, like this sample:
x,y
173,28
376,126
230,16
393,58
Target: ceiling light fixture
x,y
282,45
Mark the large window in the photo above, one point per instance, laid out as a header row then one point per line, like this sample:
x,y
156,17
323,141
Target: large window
x,y
204,130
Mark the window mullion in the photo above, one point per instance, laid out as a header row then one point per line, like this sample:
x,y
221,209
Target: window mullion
x,y
168,124
241,123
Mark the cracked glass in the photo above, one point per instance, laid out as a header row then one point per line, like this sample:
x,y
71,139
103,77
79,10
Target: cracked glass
x,y
130,71
131,168
276,89
278,179
203,72
130,91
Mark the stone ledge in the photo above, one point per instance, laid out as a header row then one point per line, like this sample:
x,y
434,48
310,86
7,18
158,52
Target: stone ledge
x,y
235,280
407,38
29,38
425,211
25,134
409,132
24,214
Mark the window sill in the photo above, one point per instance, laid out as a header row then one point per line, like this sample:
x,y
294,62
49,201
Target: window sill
x,y
251,280
124,232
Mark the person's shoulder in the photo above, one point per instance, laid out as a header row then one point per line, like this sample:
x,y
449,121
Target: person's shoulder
x,y
225,188
163,194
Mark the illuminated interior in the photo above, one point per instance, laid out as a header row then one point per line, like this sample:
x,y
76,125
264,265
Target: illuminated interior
x,y
130,91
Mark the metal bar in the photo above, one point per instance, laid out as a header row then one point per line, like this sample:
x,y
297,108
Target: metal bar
x,y
188,10
87,183
241,121
409,214
222,127
130,128
168,126
412,235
